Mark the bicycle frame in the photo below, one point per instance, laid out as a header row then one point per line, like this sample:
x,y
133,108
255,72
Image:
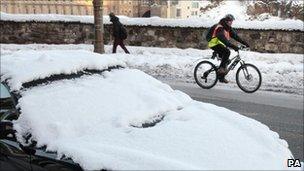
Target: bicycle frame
x,y
234,61
237,59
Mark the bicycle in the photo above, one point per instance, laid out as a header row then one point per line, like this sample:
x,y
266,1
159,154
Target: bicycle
x,y
206,76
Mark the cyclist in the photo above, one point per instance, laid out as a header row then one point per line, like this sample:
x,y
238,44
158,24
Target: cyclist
x,y
219,39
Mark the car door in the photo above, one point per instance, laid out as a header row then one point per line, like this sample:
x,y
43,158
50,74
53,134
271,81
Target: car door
x,y
12,157
46,161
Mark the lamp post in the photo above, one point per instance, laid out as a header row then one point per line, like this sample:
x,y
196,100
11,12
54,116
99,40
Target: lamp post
x,y
98,25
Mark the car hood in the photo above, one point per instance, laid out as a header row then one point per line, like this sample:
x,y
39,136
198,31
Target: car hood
x,y
97,120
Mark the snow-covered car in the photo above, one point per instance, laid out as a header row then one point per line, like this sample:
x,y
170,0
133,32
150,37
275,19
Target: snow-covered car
x,y
94,110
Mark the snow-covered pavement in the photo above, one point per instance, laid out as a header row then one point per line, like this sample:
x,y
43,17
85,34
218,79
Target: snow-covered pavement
x,y
280,72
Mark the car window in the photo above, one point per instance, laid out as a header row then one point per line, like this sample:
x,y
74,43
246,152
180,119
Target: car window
x,y
6,101
4,92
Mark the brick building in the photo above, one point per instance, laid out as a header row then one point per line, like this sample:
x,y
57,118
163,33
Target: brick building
x,y
131,8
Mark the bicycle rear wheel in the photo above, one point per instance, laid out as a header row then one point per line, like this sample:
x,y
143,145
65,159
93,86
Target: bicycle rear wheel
x,y
205,74
248,78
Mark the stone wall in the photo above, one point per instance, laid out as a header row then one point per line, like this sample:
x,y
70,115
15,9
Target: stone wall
x,y
276,41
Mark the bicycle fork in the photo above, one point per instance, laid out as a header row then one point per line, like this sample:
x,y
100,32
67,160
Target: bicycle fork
x,y
245,71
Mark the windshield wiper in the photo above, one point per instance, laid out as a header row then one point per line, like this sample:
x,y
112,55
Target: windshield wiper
x,y
57,77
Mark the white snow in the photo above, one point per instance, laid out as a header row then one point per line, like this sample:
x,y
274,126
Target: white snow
x,y
280,72
91,119
31,68
206,20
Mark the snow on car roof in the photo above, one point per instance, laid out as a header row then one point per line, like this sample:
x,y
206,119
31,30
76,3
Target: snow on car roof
x,y
24,66
96,120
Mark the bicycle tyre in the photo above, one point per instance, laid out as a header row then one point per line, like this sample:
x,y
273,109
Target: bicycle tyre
x,y
196,74
242,87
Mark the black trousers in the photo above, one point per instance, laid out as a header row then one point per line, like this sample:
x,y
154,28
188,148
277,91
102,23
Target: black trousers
x,y
223,52
117,42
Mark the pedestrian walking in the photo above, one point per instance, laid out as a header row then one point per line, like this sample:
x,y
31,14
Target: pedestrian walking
x,y
119,33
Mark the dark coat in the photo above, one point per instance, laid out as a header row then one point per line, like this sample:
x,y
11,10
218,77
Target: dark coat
x,y
117,27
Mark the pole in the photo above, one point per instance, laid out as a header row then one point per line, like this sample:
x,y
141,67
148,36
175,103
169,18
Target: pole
x,y
98,25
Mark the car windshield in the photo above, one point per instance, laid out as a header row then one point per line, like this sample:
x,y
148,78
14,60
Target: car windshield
x,y
4,92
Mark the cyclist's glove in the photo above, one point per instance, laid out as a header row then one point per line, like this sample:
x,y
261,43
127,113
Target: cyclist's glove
x,y
246,44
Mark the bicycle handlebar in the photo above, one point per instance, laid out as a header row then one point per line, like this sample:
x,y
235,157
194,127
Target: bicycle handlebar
x,y
243,47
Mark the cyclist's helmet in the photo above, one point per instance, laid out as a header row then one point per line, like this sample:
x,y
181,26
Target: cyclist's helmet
x,y
229,17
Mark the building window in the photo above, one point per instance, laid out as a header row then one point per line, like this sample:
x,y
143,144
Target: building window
x,y
178,12
86,11
174,2
5,8
194,4
18,9
79,10
188,7
72,10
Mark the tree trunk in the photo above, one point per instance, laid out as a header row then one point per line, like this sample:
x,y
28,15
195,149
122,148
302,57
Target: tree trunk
x,y
98,23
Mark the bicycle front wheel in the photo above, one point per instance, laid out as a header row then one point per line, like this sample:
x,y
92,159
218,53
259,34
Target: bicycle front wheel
x,y
248,78
205,74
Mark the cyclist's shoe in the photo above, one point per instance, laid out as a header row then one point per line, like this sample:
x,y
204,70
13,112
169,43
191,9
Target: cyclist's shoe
x,y
205,75
223,80
222,71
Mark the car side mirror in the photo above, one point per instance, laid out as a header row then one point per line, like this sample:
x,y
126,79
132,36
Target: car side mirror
x,y
6,103
30,150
